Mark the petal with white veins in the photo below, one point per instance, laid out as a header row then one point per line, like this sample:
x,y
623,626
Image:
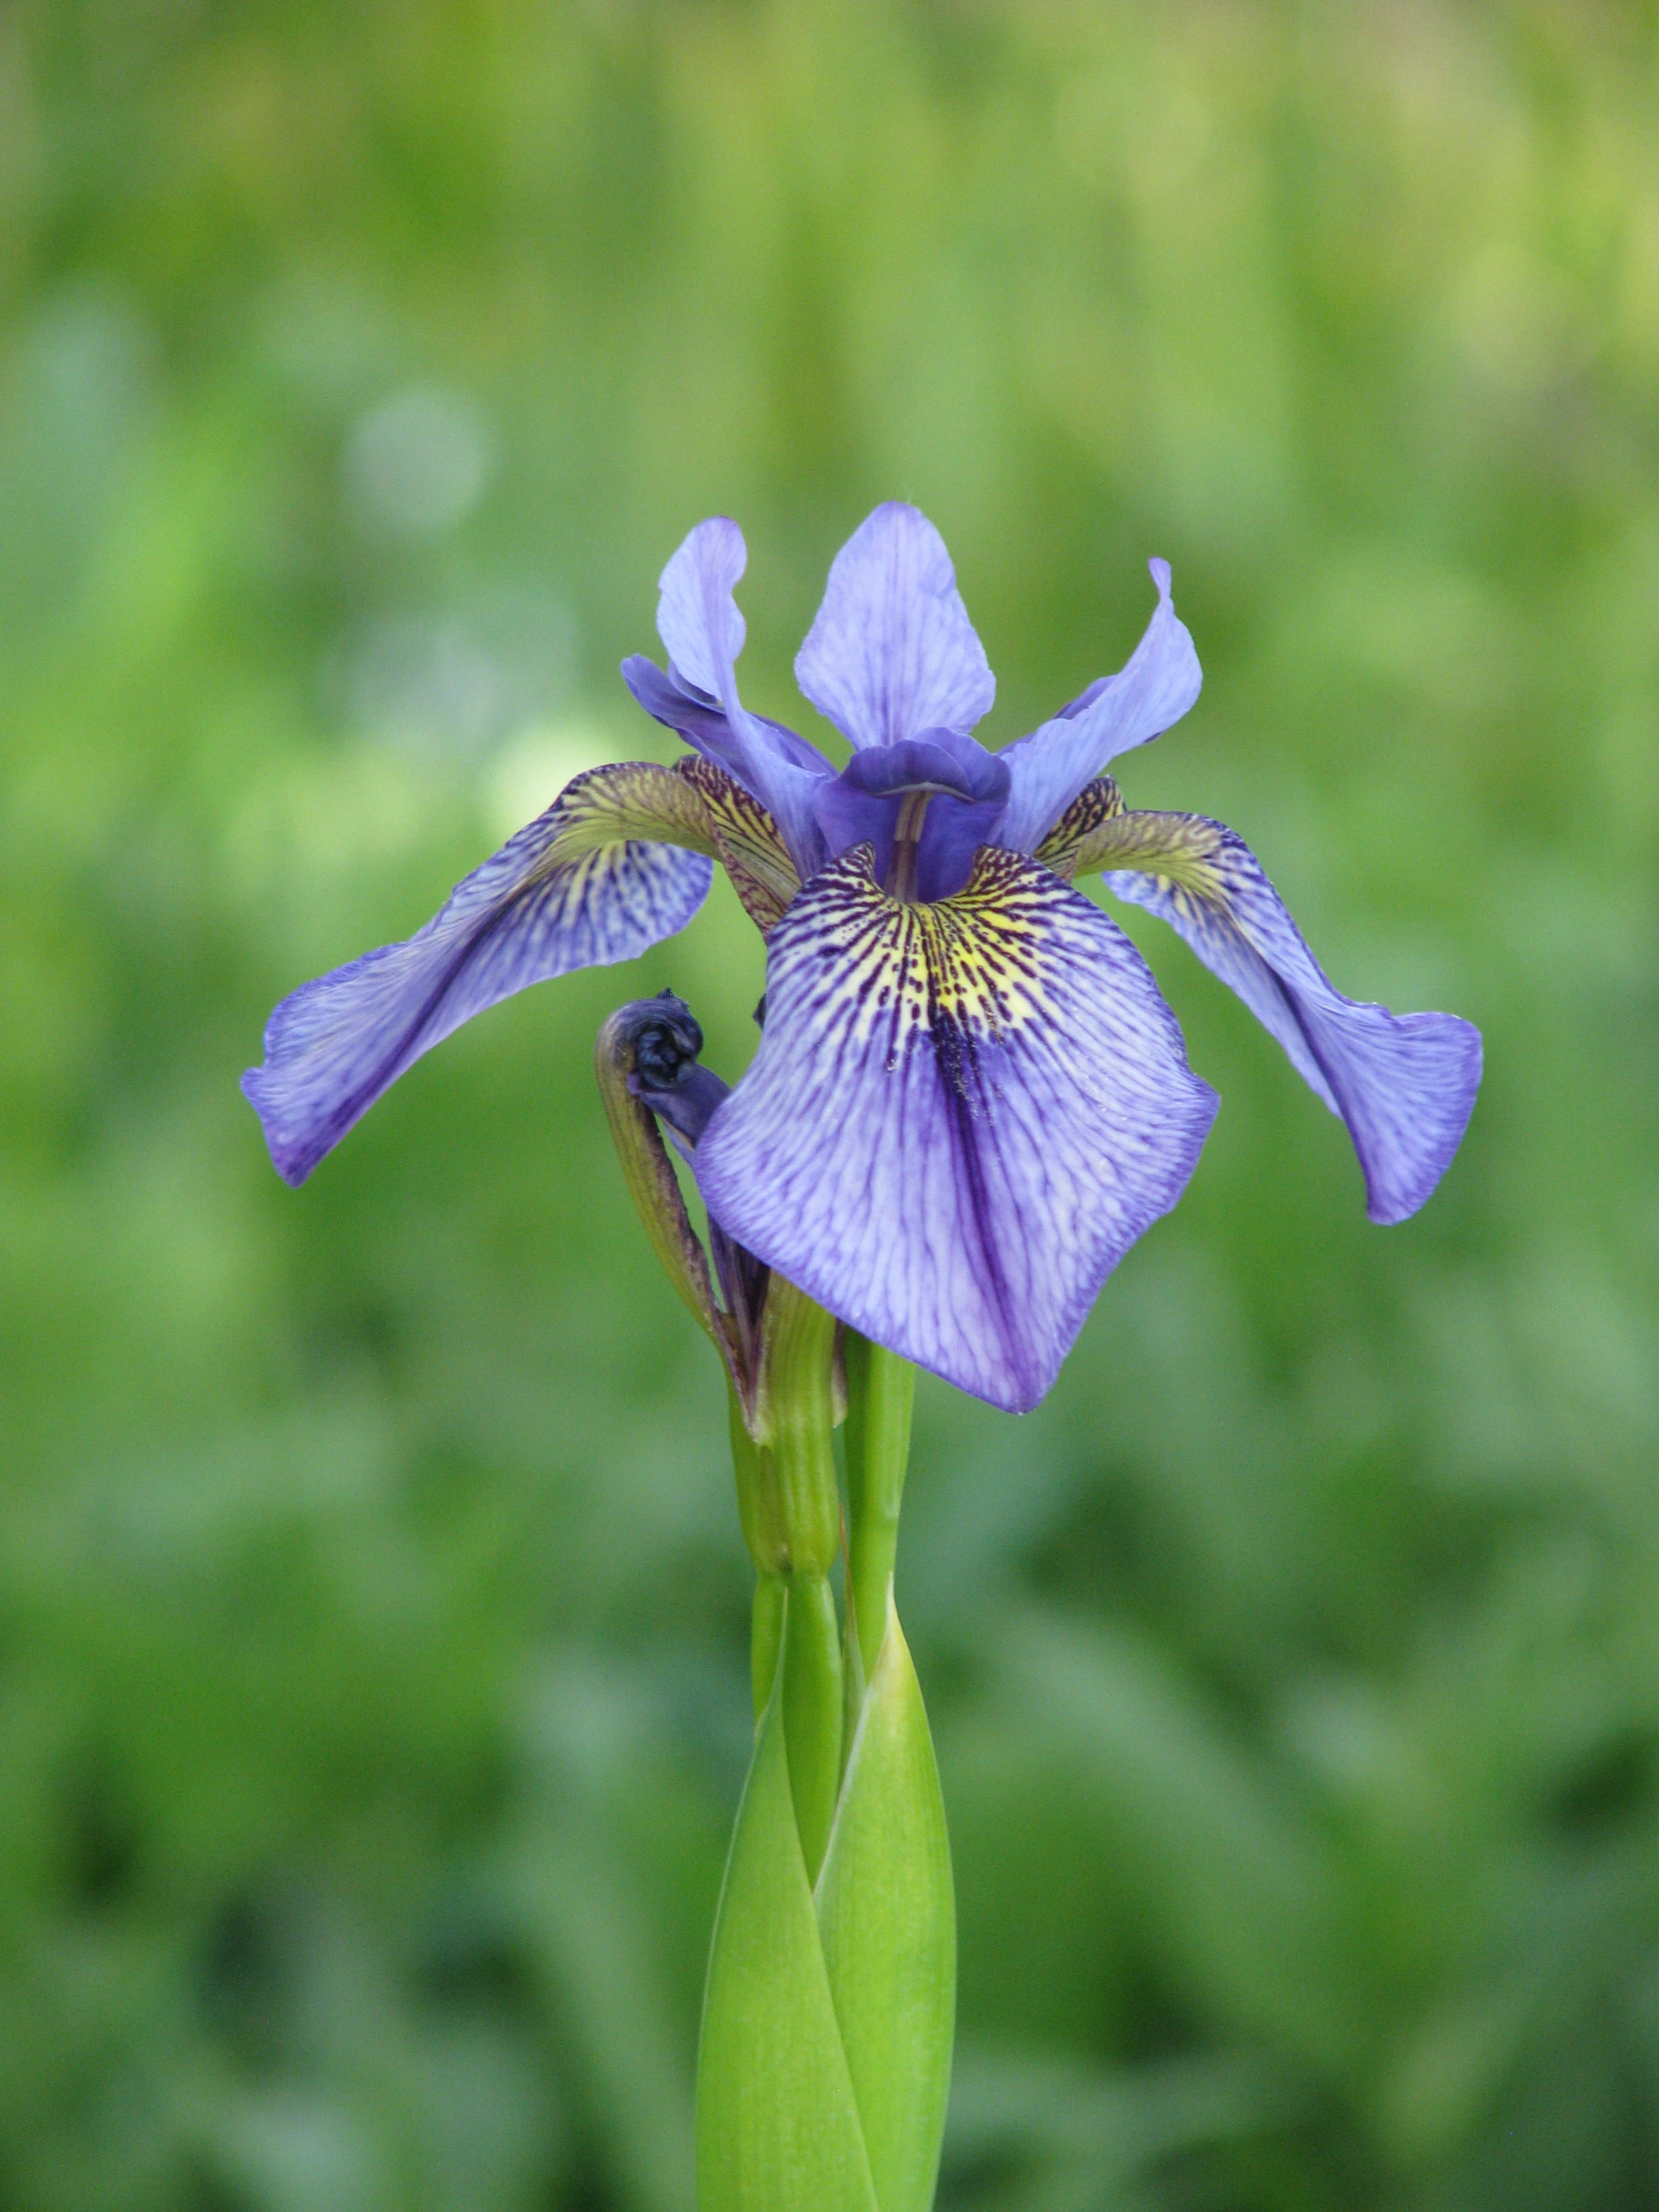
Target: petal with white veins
x,y
591,882
1404,1084
960,1117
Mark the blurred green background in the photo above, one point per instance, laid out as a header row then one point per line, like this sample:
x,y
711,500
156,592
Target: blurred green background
x,y
372,1653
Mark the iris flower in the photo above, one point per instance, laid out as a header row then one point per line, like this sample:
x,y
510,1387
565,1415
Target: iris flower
x,y
970,1097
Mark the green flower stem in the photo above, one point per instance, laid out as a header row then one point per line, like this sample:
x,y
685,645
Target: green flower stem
x,y
812,1710
880,1391
790,1513
796,1384
887,1923
778,2127
757,1482
794,1621
798,1412
825,2058
766,1636
824,2061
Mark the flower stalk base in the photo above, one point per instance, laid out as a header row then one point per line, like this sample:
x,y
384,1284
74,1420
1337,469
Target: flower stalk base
x,y
824,2060
828,2018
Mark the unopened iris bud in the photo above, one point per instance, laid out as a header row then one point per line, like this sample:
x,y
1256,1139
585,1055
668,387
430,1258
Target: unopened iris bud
x,y
645,1060
666,1076
649,1073
667,1039
780,1349
669,1080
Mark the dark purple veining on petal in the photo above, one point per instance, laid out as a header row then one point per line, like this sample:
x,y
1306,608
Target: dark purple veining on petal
x,y
334,1046
1404,1084
957,1123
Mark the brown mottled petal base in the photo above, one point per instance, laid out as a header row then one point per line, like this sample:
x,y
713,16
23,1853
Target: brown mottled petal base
x,y
744,838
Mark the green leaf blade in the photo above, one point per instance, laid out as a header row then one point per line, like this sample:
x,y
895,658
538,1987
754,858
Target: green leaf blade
x,y
887,1911
777,2127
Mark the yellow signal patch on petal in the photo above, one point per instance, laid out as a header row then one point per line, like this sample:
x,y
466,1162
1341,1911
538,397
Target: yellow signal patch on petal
x,y
961,1113
961,968
1186,854
600,877
695,805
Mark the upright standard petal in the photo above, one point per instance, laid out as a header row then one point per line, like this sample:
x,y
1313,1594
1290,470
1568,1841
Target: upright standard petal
x,y
676,701
1154,688
892,651
1404,1084
960,1115
586,884
698,621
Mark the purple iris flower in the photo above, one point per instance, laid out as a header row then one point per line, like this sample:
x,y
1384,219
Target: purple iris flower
x,y
969,1097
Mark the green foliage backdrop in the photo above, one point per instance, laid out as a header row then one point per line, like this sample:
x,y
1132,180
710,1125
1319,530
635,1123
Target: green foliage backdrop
x,y
372,1691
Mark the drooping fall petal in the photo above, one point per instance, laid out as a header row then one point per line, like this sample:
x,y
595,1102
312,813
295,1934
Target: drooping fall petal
x,y
592,881
1404,1084
960,1117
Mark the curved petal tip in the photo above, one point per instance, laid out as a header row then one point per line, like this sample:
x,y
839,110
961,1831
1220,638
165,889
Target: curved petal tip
x,y
580,887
